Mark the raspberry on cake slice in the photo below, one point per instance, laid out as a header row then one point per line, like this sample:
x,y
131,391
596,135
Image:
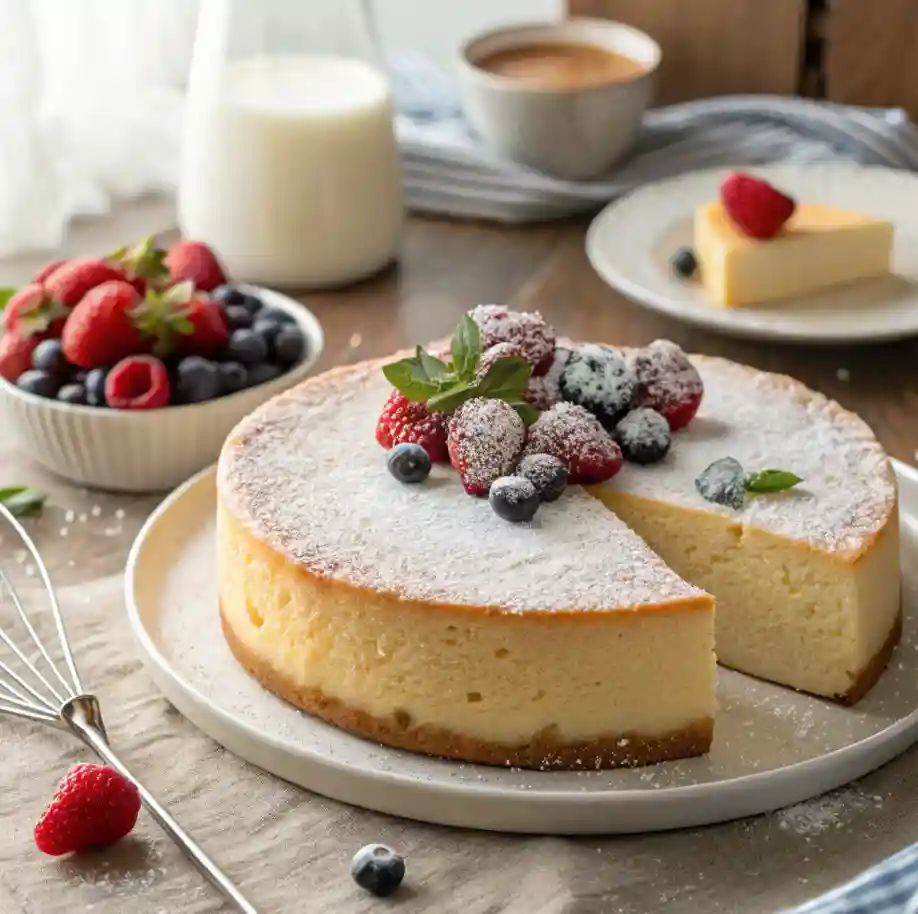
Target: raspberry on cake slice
x,y
528,331
485,439
667,382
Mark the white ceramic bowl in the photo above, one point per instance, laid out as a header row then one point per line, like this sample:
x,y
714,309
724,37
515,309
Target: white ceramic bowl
x,y
146,450
572,133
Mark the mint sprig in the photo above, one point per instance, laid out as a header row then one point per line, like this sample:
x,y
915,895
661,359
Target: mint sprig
x,y
444,386
22,501
766,481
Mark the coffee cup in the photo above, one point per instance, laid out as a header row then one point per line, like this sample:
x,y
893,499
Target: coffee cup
x,y
564,98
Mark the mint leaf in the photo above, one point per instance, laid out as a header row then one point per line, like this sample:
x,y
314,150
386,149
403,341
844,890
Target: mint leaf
x,y
770,481
6,294
455,395
408,377
22,501
506,379
526,411
432,366
466,349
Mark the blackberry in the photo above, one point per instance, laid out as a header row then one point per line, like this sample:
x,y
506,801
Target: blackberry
x,y
643,435
600,380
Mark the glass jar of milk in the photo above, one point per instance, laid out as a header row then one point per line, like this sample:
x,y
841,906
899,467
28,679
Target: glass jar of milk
x,y
290,167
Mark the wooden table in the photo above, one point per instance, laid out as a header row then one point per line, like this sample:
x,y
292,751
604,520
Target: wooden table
x,y
288,849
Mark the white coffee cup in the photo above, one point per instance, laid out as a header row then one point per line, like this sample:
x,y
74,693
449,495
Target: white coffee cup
x,y
575,133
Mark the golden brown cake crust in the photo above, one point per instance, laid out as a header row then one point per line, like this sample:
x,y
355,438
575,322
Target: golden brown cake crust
x,y
872,672
544,752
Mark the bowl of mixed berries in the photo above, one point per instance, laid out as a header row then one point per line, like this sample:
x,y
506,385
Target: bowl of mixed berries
x,y
128,372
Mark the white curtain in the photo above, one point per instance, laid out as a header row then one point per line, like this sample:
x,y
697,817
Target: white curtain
x,y
90,108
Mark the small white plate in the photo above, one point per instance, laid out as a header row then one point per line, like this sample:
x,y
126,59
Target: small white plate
x,y
631,241
772,747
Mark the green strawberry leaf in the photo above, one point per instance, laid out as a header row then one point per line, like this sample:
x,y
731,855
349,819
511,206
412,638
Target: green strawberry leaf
x,y
433,367
466,349
770,481
408,377
506,379
22,501
6,293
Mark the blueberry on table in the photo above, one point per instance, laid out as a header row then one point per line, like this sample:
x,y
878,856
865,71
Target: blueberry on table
x,y
247,347
684,262
514,498
49,357
263,372
197,380
94,383
40,383
289,345
233,377
238,317
378,869
75,394
408,463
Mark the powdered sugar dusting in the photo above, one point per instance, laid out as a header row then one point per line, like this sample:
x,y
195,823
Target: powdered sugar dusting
x,y
305,473
833,811
529,331
486,437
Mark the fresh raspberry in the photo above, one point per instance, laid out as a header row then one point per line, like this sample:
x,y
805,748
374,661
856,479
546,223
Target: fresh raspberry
x,y
599,379
93,807
573,435
32,312
667,382
73,279
486,437
529,331
755,207
195,261
16,354
403,422
138,382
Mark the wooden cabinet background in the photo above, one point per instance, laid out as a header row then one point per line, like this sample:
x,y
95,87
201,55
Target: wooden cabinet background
x,y
862,52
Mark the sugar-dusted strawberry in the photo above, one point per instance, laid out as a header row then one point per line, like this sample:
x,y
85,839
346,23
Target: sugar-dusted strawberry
x,y
402,421
138,382
42,274
195,261
101,329
527,331
667,382
73,279
495,353
31,312
94,807
144,265
486,437
574,435
755,207
16,354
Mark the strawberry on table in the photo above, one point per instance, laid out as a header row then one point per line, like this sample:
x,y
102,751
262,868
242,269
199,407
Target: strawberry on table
x,y
756,208
16,354
195,261
32,312
72,280
101,329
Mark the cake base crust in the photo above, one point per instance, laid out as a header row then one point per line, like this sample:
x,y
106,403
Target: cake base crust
x,y
546,751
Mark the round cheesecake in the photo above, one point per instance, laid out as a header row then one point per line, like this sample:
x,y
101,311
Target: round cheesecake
x,y
414,616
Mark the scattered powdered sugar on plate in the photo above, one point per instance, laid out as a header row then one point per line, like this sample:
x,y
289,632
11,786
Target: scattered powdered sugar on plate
x,y
829,812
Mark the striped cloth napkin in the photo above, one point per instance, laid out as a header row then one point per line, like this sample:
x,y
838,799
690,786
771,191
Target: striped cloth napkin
x,y
448,170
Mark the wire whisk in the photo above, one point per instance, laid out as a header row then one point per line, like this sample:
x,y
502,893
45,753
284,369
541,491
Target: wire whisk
x,y
35,687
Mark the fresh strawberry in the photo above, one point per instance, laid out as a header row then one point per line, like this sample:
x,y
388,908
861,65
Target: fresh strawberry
x,y
72,280
101,329
195,261
179,319
144,265
402,421
527,331
47,270
486,437
755,207
574,435
209,330
138,382
94,807
16,354
31,312
667,382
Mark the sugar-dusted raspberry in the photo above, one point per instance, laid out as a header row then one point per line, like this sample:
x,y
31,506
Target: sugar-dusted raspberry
x,y
485,439
527,330
544,391
404,422
599,379
643,435
573,435
495,353
667,382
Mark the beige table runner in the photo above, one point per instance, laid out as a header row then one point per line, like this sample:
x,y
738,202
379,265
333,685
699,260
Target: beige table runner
x,y
290,850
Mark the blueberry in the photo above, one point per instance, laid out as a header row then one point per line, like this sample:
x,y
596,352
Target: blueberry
x,y
378,869
253,304
95,386
408,463
723,482
289,345
644,436
72,393
233,377
197,379
275,314
599,379
684,262
546,473
267,329
263,372
514,498
238,317
49,357
247,347
229,295
40,383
